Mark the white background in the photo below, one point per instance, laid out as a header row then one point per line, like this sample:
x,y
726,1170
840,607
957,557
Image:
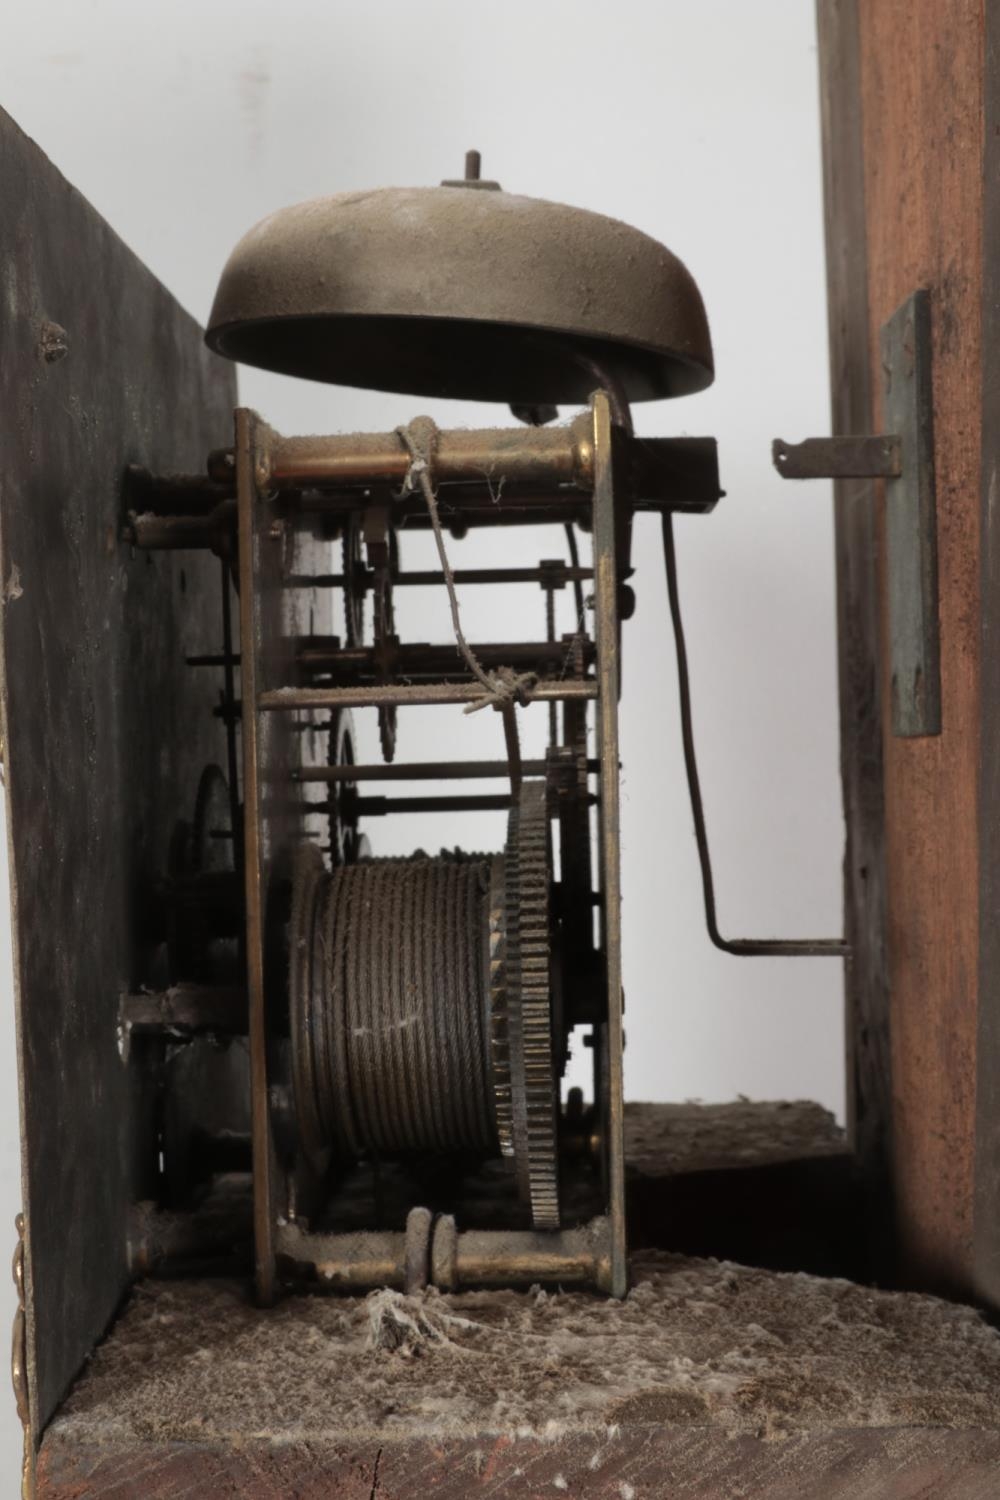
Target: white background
x,y
185,123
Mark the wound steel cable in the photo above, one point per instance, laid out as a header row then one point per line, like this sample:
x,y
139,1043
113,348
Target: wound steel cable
x,y
397,1017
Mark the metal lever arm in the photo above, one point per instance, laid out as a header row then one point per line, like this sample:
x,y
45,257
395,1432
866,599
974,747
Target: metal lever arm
x,y
742,947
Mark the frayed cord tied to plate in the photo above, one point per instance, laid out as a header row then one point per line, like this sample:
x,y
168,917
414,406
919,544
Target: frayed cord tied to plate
x,y
503,688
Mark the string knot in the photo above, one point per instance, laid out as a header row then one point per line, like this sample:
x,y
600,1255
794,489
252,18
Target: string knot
x,y
504,686
420,439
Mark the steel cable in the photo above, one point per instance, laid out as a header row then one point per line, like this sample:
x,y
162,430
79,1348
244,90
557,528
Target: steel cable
x,y
397,1015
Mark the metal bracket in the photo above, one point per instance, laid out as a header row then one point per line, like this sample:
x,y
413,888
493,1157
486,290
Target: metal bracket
x,y
904,458
838,458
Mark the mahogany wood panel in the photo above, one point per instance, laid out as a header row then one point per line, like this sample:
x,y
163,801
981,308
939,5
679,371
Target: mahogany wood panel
x,y
922,122
986,1222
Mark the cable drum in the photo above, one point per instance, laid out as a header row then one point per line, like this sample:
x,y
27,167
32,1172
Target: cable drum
x,y
390,1007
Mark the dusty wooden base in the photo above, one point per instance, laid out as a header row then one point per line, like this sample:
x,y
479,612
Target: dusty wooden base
x,y
711,1380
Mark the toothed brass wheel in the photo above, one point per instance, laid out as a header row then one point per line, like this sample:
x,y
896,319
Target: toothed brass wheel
x,y
530,1004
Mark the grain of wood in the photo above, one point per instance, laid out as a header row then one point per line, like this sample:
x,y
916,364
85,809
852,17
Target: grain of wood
x,y
922,111
869,1087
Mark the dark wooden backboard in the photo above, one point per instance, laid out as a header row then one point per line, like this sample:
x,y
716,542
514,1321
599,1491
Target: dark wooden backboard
x,y
106,729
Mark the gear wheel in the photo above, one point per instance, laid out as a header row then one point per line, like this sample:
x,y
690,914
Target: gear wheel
x,y
353,569
383,561
342,795
385,632
528,1011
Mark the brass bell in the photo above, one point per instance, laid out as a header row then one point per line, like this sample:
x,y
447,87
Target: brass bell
x,y
443,291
